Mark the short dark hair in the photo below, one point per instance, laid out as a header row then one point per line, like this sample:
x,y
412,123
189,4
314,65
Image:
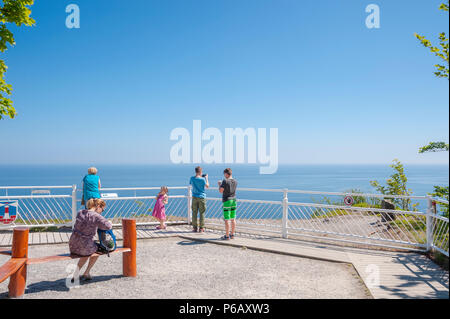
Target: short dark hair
x,y
227,171
198,169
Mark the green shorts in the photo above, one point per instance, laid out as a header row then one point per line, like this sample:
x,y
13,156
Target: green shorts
x,y
229,209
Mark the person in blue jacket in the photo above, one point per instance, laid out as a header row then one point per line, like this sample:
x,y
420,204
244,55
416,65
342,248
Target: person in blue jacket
x,y
91,185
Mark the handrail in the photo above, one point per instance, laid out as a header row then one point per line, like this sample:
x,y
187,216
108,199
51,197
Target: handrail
x,y
34,196
136,188
356,194
273,190
140,197
439,200
363,209
35,187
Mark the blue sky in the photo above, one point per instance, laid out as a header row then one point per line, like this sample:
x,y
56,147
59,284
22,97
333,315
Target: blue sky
x,y
112,91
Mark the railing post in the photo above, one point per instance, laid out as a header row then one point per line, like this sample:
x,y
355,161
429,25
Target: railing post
x,y
129,241
74,204
18,281
429,224
189,204
285,205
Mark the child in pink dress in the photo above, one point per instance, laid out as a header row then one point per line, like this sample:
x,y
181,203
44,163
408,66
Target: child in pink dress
x,y
159,211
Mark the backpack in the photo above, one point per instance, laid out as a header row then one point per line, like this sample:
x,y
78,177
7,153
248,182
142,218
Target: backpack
x,y
107,241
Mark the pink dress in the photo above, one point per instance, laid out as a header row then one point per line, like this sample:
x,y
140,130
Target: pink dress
x,y
159,211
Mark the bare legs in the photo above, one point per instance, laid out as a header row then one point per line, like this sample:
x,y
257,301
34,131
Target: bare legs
x,y
82,261
162,225
227,227
233,226
92,261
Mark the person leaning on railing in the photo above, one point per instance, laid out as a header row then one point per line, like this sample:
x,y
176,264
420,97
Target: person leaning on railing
x,y
91,185
81,241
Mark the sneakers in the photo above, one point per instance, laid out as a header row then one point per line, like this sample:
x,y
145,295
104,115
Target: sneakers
x,y
225,237
202,230
195,229
231,236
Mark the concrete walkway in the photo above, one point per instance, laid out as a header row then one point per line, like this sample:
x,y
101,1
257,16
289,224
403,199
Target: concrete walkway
x,y
185,269
386,274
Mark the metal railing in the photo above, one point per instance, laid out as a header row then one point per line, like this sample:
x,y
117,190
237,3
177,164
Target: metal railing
x,y
437,230
293,214
364,223
38,207
137,203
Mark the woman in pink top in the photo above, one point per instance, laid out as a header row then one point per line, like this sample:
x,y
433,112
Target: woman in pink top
x,y
159,211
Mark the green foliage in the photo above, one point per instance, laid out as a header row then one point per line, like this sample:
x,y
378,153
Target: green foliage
x,y
442,52
17,12
396,185
434,147
439,191
442,192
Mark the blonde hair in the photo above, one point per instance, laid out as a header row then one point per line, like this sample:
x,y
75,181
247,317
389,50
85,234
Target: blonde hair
x,y
92,171
164,190
95,202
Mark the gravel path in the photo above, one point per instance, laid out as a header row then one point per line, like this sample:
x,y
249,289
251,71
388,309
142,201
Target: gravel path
x,y
176,268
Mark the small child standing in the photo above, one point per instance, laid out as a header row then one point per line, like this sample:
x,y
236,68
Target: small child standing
x,y
159,211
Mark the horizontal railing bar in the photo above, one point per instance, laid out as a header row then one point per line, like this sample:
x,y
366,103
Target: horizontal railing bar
x,y
445,219
261,190
138,188
35,187
141,197
34,196
439,200
244,189
35,225
364,209
440,250
356,194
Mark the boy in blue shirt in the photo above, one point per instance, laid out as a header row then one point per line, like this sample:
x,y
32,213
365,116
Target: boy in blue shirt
x,y
199,182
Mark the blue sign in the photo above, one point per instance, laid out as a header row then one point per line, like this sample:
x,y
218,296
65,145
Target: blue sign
x,y
8,211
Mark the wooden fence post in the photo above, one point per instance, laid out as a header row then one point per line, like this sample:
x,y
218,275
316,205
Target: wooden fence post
x,y
129,241
18,281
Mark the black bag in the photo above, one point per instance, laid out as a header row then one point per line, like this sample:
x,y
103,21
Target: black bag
x,y
107,241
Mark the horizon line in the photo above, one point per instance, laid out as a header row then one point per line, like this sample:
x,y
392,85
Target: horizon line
x,y
211,164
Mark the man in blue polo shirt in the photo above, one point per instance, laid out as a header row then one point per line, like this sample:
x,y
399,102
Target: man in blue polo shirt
x,y
199,182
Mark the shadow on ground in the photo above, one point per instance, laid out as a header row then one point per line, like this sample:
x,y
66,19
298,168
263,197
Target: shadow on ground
x,y
190,243
423,271
60,285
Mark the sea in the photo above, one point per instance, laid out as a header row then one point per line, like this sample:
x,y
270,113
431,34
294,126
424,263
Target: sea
x,y
326,178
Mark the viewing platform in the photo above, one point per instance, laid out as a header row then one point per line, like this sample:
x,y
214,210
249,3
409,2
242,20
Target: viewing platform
x,y
386,247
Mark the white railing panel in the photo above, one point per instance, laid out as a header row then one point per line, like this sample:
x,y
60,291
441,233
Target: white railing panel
x,y
439,230
368,224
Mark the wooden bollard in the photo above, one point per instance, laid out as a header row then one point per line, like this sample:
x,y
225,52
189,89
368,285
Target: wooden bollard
x,y
18,281
129,241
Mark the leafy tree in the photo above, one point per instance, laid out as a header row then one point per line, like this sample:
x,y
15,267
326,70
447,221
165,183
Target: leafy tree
x,y
396,185
17,12
434,147
442,52
439,191
442,192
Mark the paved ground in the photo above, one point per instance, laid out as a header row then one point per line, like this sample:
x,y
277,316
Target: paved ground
x,y
386,274
180,268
